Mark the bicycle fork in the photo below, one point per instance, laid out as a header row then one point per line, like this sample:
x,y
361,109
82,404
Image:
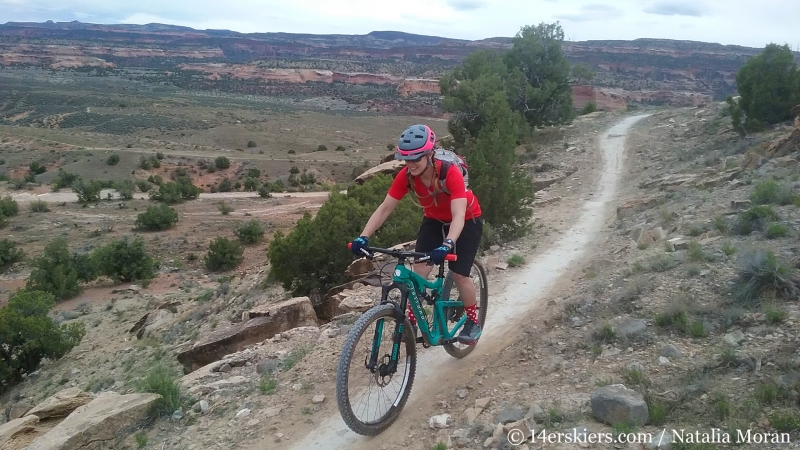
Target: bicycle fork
x,y
387,365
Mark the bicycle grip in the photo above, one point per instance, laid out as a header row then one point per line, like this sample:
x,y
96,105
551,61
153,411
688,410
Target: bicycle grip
x,y
450,257
349,245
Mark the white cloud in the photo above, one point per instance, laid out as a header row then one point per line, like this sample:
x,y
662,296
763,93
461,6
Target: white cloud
x,y
700,20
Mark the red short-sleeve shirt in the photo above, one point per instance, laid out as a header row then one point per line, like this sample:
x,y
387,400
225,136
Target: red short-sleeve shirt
x,y
439,209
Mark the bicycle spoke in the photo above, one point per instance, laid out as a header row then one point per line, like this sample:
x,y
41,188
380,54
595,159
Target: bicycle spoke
x,y
371,401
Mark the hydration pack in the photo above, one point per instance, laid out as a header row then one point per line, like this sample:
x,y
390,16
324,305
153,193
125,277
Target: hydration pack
x,y
448,158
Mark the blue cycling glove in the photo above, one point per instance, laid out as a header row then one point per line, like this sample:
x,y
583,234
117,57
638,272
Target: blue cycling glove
x,y
439,253
359,243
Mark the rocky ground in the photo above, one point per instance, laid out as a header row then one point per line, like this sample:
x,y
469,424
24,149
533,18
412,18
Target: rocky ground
x,y
652,309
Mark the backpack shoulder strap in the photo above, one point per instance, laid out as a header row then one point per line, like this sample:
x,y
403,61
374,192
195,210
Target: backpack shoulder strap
x,y
443,175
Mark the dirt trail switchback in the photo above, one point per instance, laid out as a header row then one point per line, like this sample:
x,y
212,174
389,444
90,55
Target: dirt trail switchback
x,y
517,298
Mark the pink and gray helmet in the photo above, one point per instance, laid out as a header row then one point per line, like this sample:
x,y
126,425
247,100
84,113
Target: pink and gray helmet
x,y
415,142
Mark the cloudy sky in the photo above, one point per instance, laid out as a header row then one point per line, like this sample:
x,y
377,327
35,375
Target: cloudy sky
x,y
741,22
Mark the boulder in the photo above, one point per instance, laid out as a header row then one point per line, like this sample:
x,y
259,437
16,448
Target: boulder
x,y
266,321
10,430
155,319
360,299
616,403
546,181
61,403
97,424
359,268
18,410
392,168
634,206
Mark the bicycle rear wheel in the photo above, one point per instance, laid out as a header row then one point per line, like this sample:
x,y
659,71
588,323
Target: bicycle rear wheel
x,y
368,402
478,275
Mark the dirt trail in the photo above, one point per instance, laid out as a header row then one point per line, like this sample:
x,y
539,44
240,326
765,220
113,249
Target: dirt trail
x,y
518,298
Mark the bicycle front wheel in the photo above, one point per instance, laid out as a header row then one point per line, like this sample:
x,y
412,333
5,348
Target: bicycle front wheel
x,y
478,275
371,400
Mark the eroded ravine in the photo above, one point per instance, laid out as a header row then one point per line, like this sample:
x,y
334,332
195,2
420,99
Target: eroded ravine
x,y
521,294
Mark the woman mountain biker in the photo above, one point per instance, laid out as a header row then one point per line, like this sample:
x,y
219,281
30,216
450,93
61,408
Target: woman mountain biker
x,y
451,223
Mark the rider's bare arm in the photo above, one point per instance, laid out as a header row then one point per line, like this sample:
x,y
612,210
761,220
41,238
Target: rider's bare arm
x,y
458,207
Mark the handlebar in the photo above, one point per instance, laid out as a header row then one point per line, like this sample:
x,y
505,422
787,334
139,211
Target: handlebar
x,y
401,254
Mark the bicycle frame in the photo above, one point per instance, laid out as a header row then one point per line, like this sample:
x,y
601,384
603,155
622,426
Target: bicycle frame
x,y
412,287
435,333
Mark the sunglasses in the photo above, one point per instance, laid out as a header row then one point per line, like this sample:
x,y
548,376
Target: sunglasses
x,y
415,160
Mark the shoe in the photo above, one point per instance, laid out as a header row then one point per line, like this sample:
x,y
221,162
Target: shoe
x,y
470,333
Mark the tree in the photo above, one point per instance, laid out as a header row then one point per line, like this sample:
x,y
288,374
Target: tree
x,y
466,90
60,273
314,255
538,75
504,190
223,254
29,335
87,191
123,260
9,254
582,73
769,86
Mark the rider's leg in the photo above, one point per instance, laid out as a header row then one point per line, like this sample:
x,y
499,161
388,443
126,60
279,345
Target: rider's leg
x,y
466,249
428,238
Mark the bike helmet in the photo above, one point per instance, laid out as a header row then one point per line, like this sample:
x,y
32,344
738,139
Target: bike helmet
x,y
415,142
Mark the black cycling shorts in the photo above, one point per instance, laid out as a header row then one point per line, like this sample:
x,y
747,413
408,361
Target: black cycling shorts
x,y
433,232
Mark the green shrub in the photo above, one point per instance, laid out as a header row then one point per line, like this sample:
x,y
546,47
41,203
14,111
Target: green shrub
x,y
87,191
768,86
63,179
125,188
143,185
774,315
29,335
113,160
253,173
589,108
124,261
785,421
156,218
516,260
35,168
772,192
8,206
777,230
59,272
760,273
251,184
39,206
225,185
223,254
224,208
696,253
314,254
251,144
159,155
144,163
755,218
250,232
264,191
222,162
164,381
9,254
176,192
340,148
322,148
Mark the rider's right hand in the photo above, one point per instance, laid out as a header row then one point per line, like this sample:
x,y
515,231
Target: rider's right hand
x,y
359,243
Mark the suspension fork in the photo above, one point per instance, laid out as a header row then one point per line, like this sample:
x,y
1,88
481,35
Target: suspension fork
x,y
397,336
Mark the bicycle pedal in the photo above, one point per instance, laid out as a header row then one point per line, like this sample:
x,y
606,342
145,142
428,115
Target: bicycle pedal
x,y
419,340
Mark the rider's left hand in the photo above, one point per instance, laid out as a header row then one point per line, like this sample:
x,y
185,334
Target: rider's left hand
x,y
439,253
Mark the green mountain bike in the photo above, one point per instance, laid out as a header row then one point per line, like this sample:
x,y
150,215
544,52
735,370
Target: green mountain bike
x,y
379,356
